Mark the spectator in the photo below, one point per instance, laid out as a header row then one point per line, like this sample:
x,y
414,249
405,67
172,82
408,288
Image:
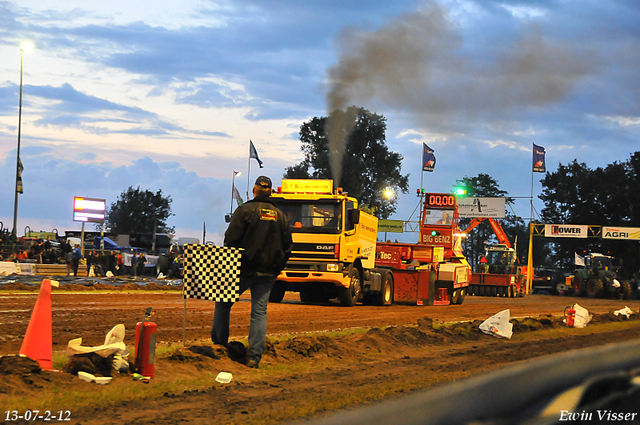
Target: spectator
x,y
134,264
142,261
262,230
76,256
119,264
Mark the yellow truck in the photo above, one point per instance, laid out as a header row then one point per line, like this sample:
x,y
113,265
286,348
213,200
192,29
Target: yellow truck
x,y
335,254
334,244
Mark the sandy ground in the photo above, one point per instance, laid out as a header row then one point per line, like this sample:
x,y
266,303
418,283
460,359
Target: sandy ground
x,y
401,351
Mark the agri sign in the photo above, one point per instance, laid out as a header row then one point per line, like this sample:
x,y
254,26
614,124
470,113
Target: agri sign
x,y
632,233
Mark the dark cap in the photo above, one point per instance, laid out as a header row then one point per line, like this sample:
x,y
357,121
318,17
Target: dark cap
x,y
263,181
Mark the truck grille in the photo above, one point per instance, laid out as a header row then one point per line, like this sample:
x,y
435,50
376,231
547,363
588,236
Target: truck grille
x,y
313,251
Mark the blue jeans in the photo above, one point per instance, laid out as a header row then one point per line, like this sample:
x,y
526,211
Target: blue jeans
x,y
260,289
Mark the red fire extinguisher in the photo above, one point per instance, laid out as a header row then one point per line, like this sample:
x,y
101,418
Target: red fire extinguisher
x,y
570,316
146,333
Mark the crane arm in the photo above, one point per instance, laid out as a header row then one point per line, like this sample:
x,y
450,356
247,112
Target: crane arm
x,y
495,225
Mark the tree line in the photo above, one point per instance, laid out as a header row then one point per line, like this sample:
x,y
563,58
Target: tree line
x,y
573,194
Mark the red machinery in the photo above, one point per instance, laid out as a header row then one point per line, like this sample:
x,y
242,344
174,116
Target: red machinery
x,y
434,271
499,275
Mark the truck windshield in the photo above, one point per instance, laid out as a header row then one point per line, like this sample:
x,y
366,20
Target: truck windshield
x,y
498,257
438,217
312,217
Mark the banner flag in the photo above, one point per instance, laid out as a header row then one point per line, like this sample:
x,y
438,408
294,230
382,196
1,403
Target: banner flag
x,y
538,159
20,168
578,260
211,272
428,158
236,195
253,153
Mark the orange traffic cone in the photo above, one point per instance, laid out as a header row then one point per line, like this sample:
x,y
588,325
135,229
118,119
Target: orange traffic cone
x,y
38,343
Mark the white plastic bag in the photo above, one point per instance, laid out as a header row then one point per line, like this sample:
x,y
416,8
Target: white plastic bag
x,y
113,343
626,311
582,316
498,325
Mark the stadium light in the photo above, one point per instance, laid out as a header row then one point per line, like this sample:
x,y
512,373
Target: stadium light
x,y
24,47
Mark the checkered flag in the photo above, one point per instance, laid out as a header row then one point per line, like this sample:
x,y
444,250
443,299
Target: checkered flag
x,y
212,273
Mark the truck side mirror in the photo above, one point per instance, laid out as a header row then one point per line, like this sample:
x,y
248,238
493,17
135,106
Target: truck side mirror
x,y
353,216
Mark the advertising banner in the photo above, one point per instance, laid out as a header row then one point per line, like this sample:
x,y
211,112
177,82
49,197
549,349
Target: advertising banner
x,y
393,226
566,231
90,210
481,207
632,233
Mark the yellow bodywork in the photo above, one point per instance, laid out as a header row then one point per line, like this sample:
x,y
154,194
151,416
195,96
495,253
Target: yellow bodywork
x,y
352,245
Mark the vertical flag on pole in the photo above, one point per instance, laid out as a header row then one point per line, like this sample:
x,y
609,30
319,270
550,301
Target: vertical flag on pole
x,y
20,168
538,159
253,153
428,158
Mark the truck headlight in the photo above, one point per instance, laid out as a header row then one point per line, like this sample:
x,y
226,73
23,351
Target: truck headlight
x,y
332,267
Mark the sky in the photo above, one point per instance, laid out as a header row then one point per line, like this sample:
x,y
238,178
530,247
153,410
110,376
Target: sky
x,y
167,95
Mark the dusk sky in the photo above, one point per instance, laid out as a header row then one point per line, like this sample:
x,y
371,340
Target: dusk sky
x,y
166,95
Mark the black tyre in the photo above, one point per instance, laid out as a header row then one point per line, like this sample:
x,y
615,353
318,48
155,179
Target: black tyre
x,y
277,293
455,296
625,289
349,296
595,288
462,294
306,297
314,295
385,297
579,285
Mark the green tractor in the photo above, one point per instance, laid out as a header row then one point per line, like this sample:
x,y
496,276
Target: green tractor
x,y
599,278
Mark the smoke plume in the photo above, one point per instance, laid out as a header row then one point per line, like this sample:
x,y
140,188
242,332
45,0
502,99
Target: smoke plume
x,y
418,64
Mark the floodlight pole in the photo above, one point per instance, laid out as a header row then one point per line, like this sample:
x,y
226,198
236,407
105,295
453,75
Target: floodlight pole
x,y
15,203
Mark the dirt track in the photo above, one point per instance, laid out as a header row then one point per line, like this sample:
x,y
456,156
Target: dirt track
x,y
92,314
323,373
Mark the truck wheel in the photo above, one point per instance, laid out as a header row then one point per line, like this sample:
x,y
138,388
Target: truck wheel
x,y
349,296
455,296
463,293
305,296
579,285
314,295
625,289
277,293
385,297
595,288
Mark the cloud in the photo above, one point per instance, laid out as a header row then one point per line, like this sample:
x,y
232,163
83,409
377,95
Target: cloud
x,y
50,183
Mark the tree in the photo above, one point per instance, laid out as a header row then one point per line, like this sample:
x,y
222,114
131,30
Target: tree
x,y
484,185
368,167
576,194
140,211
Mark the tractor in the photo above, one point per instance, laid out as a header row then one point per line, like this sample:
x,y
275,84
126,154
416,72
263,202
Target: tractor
x,y
599,278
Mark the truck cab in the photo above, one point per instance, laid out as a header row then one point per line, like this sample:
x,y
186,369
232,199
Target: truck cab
x,y
333,242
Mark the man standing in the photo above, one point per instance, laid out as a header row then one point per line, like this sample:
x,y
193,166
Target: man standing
x,y
262,230
76,256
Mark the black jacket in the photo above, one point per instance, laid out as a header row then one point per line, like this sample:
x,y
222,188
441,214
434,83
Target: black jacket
x,y
263,231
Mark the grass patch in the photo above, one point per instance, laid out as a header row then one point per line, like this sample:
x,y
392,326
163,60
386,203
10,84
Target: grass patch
x,y
100,397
